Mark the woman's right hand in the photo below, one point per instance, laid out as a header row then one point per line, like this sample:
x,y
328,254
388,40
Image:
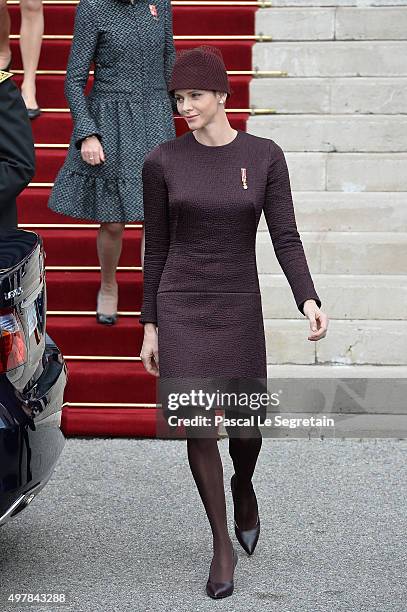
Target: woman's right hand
x,y
92,151
149,350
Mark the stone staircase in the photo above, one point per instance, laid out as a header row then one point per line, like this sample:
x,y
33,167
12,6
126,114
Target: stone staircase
x,y
341,121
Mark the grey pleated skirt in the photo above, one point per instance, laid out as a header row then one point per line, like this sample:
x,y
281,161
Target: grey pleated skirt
x,y
130,126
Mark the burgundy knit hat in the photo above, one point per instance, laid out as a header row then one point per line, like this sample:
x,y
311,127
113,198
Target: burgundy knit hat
x,y
201,68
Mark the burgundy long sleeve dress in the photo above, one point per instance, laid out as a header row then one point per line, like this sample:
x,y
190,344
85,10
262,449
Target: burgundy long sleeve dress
x,y
200,276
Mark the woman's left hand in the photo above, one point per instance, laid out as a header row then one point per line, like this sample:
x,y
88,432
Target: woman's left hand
x,y
318,320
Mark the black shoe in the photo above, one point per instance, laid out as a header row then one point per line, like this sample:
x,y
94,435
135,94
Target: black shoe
x,y
106,319
33,112
247,538
218,590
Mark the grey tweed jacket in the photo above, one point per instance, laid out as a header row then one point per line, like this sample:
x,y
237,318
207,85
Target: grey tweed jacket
x,y
131,45
128,108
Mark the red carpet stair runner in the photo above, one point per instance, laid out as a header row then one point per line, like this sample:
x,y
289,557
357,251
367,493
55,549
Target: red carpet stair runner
x,y
108,392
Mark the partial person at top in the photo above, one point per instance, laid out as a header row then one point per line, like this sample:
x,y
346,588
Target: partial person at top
x,y
31,31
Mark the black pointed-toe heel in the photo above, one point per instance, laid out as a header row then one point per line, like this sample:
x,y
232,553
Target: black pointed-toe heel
x,y
218,590
247,538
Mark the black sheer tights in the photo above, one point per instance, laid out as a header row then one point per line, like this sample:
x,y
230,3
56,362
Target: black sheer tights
x,y
207,470
244,452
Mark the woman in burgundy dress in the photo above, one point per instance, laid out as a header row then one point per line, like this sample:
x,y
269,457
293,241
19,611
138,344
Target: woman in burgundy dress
x,y
204,193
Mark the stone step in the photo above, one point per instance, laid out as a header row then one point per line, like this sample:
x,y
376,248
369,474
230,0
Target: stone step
x,y
332,23
334,133
336,371
346,95
338,3
333,58
334,390
342,252
366,172
373,297
347,171
338,211
347,342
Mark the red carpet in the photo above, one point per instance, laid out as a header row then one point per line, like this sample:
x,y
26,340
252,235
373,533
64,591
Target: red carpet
x,y
115,382
77,290
51,90
237,54
187,20
118,340
71,294
81,246
32,208
56,128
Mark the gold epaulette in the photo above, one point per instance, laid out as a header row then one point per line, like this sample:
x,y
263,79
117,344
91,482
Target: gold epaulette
x,y
5,75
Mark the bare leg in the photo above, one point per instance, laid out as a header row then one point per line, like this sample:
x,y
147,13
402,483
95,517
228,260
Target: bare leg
x,y
207,470
109,247
32,29
4,35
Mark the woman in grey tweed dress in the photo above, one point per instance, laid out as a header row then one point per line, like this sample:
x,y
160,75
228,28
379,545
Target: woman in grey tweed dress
x,y
127,113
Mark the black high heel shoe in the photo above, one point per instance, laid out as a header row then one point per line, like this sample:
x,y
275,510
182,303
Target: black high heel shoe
x,y
247,538
218,590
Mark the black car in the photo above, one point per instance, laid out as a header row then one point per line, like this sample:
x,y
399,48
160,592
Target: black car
x,y
33,375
